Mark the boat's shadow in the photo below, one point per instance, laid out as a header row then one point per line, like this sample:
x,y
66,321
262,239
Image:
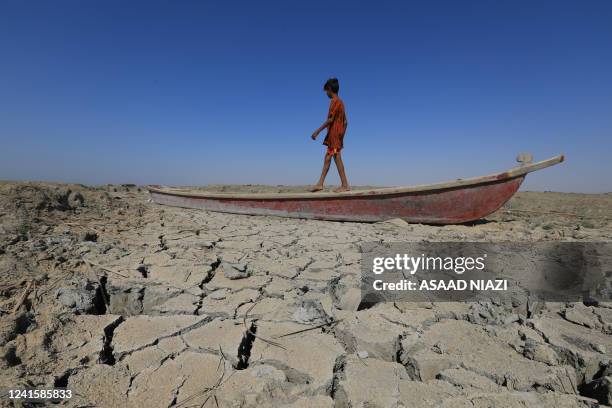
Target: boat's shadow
x,y
481,221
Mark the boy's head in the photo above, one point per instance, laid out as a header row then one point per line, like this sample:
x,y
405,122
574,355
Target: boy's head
x,y
331,87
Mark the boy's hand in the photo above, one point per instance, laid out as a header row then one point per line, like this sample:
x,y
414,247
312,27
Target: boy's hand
x,y
314,135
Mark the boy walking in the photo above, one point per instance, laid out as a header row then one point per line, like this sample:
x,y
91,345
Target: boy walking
x,y
336,125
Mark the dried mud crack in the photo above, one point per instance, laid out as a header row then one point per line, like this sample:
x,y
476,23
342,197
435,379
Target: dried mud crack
x,y
132,304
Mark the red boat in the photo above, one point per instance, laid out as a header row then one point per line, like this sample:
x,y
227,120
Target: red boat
x,y
452,202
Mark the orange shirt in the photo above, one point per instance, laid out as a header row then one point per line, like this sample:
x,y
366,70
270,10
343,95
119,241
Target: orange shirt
x,y
335,131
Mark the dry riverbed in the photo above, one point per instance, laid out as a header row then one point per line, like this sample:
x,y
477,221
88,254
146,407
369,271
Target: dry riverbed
x,y
129,303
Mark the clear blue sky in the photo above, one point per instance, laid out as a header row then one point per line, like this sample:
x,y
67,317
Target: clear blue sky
x,y
195,92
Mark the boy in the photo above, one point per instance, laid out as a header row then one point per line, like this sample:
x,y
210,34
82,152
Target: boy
x,y
336,124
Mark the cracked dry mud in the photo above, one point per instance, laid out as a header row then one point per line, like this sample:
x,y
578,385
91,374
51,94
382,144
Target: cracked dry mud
x,y
138,305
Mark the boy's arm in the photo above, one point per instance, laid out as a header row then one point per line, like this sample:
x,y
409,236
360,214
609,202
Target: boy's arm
x,y
331,116
323,126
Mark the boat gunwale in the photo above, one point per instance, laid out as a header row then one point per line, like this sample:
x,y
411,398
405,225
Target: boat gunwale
x,y
373,193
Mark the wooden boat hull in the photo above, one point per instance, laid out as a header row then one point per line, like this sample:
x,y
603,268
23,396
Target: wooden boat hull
x,y
438,207
453,202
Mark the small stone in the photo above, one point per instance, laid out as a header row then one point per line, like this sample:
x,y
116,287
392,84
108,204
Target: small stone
x,y
310,311
234,270
218,294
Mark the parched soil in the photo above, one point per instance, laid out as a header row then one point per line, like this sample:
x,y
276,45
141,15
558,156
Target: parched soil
x,y
131,304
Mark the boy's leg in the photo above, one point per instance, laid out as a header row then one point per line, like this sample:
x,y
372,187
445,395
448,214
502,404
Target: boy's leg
x,y
341,172
326,164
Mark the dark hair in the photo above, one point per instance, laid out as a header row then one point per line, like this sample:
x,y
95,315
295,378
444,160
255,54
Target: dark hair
x,y
332,84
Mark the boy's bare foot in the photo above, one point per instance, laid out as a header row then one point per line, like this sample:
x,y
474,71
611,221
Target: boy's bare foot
x,y
342,189
316,188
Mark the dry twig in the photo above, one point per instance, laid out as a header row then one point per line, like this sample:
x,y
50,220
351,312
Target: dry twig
x,y
249,331
23,297
309,329
106,268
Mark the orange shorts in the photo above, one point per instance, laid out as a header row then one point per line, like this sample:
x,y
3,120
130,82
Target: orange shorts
x,y
331,151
